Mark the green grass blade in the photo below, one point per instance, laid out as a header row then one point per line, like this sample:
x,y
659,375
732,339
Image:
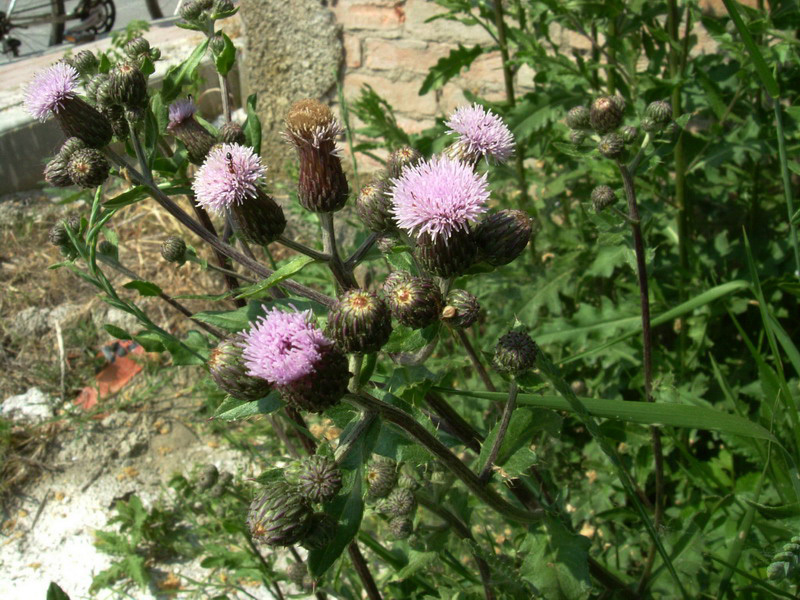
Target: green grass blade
x,y
643,413
787,185
763,71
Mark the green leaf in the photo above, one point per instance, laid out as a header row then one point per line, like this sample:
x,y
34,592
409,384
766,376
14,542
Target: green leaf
x,y
785,511
416,560
179,75
54,592
293,266
645,413
233,409
448,67
405,339
763,71
232,320
145,288
225,59
557,562
131,196
117,332
252,125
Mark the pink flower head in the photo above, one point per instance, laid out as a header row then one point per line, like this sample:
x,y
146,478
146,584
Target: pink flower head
x,y
438,197
180,111
481,133
228,176
49,89
283,346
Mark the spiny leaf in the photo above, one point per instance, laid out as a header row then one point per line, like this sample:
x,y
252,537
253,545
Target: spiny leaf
x,y
448,67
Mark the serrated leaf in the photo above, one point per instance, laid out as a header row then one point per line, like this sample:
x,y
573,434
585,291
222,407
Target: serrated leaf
x,y
233,409
225,59
405,339
416,560
448,67
252,125
557,562
293,266
131,196
145,288
232,320
180,74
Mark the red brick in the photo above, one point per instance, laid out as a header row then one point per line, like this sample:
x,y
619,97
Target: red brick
x,y
353,56
371,17
401,95
409,55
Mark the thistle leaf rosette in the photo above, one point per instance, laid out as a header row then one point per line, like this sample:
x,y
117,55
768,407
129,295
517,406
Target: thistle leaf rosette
x,y
290,351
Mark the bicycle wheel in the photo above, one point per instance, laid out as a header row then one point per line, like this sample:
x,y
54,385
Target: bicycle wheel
x,y
31,26
159,9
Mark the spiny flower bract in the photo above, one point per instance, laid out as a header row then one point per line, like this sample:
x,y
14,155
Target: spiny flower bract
x,y
481,132
282,347
179,111
229,175
438,197
49,89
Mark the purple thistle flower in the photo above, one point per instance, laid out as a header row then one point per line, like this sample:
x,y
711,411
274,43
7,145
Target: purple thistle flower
x,y
438,197
228,176
481,133
283,347
180,111
49,89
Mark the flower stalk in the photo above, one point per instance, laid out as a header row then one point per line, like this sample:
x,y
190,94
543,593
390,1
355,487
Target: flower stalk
x,y
505,420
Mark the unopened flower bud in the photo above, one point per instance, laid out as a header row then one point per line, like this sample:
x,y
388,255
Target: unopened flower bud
x,y
279,516
611,145
387,242
400,159
323,388
502,237
226,367
777,571
191,10
184,126
461,309
115,114
259,219
217,45
94,85
603,197
221,8
69,147
360,321
312,129
321,532
317,478
207,478
374,206
393,279
128,85
86,63
630,134
401,527
58,233
88,167
660,111
381,477
232,133
400,502
174,249
57,174
446,256
578,118
606,114
650,125
415,302
577,137
137,47
515,353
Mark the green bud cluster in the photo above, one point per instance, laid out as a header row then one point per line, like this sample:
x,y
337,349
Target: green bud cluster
x,y
174,250
515,353
394,492
414,301
59,237
785,564
360,321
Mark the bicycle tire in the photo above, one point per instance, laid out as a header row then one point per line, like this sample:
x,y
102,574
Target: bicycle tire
x,y
57,27
154,9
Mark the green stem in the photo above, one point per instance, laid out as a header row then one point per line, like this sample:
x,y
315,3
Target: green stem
x,y
451,461
357,256
474,358
303,249
787,185
343,276
361,567
505,420
611,65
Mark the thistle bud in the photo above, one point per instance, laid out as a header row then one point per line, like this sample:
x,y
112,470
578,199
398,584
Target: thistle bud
x,y
312,129
611,145
502,237
88,168
401,527
381,477
606,114
227,369
259,219
461,309
217,45
323,388
86,63
577,137
207,478
94,85
190,10
115,114
221,7
137,47
69,147
603,197
446,256
578,118
387,242
400,159
650,125
415,302
374,206
184,126
57,174
360,321
393,279
128,85
317,478
232,133
174,249
515,353
630,134
58,233
279,516
400,502
320,533
777,571
660,111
